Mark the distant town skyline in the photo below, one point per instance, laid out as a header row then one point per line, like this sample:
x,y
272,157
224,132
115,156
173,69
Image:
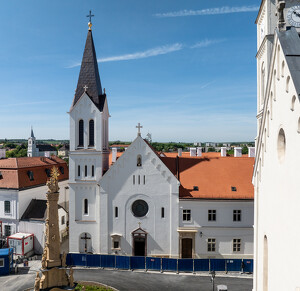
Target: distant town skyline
x,y
185,71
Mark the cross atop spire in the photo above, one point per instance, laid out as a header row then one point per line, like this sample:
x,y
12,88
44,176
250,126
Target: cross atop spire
x,y
90,22
139,129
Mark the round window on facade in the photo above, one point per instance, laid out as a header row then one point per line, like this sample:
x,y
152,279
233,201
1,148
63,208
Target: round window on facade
x,y
281,144
139,208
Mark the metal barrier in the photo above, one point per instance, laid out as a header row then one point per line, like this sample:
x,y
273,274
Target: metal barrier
x,y
160,264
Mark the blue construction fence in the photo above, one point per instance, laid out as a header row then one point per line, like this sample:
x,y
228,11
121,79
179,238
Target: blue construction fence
x,y
160,264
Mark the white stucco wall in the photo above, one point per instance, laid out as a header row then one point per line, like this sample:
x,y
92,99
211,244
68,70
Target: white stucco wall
x,y
224,229
160,190
277,191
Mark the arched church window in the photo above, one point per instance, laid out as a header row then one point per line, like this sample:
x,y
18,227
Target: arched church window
x,y
265,264
91,133
281,144
282,69
85,206
139,161
293,103
80,128
287,84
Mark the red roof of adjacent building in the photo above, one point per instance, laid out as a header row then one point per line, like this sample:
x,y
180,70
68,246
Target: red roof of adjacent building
x,y
15,171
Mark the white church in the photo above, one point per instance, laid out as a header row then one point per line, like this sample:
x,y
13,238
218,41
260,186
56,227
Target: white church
x,y
276,172
198,206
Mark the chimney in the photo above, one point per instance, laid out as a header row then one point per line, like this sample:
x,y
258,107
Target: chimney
x,y
199,151
47,154
223,151
251,152
192,152
179,152
114,155
237,152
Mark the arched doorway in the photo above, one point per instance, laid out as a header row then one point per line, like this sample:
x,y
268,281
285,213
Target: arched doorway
x,y
85,243
139,242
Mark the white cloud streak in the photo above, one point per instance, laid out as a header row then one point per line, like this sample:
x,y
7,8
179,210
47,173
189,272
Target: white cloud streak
x,y
209,11
161,50
206,42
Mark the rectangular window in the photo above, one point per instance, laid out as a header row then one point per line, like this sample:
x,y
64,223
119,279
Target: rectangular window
x,y
85,170
78,171
116,212
144,179
86,207
7,230
237,215
236,245
133,179
63,220
211,244
212,215
186,215
116,244
93,171
7,207
139,179
162,212
1,263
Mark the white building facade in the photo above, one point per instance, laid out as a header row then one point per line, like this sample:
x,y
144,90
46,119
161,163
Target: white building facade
x,y
275,176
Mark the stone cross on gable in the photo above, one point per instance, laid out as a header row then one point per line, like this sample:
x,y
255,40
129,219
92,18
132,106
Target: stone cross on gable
x,y
139,224
139,129
85,87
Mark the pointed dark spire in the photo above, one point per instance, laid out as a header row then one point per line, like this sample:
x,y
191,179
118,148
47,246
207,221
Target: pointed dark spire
x,y
32,135
89,79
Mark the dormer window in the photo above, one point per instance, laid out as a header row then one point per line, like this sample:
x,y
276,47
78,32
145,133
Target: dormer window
x,y
62,170
139,161
30,175
1,176
195,188
233,189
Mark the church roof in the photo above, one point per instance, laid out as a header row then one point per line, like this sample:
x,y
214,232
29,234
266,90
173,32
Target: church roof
x,y
290,44
89,76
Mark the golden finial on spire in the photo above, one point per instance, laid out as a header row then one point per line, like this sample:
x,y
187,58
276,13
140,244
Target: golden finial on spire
x,y
90,22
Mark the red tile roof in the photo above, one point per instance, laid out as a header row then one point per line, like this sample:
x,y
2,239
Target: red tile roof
x,y
15,171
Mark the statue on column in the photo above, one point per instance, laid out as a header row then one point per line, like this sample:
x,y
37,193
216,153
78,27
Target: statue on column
x,y
37,282
280,7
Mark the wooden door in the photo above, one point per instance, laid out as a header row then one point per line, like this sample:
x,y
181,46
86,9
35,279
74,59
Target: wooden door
x,y
187,248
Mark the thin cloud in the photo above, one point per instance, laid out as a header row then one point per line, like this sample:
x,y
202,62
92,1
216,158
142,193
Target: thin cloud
x,y
25,103
161,50
209,11
206,42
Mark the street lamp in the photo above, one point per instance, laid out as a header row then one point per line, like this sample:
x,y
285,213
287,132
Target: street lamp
x,y
212,279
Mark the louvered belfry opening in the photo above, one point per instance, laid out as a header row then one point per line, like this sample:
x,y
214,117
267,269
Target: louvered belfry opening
x,y
91,133
80,141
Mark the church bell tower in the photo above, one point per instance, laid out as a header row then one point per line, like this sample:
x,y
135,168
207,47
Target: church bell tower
x,y
31,151
89,151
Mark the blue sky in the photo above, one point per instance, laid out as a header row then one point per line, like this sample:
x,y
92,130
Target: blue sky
x,y
185,70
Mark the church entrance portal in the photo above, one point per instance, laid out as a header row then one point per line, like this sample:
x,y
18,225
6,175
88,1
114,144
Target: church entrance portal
x,y
139,242
187,248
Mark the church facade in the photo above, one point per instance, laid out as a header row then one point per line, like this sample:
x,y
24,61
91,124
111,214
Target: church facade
x,y
275,177
146,204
